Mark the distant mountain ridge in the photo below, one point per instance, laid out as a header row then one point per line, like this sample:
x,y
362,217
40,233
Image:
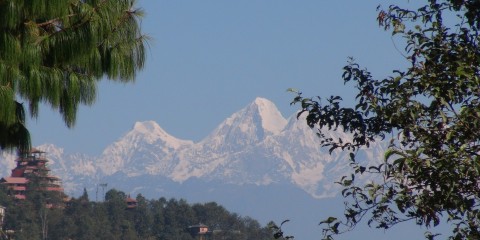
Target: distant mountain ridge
x,y
255,146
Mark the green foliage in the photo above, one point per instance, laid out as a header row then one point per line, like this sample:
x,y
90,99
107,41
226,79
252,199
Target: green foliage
x,y
429,112
277,230
111,220
54,52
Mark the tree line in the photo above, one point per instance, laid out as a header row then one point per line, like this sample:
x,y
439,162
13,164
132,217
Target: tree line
x,y
45,215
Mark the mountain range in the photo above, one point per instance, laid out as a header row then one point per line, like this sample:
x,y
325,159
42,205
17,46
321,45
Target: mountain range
x,y
255,145
255,156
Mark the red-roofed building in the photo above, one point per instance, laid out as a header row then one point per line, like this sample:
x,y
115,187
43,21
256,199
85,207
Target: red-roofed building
x,y
16,185
200,231
131,202
32,165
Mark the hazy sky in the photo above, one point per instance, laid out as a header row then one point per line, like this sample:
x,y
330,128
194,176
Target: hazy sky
x,y
210,58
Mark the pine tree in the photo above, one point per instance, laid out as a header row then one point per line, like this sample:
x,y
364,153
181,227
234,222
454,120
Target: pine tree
x,y
54,52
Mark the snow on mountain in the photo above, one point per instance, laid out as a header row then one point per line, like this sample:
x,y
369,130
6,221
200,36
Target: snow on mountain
x,y
226,152
272,119
254,146
147,148
299,147
246,127
75,170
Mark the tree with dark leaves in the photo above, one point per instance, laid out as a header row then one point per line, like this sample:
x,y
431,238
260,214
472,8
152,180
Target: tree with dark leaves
x,y
429,114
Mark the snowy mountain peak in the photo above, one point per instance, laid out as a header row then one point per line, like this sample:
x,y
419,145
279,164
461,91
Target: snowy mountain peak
x,y
151,132
272,119
247,127
255,145
261,101
147,127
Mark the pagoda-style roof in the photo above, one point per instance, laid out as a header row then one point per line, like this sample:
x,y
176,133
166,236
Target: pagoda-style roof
x,y
20,196
53,178
33,154
55,189
19,188
31,164
35,150
14,180
28,159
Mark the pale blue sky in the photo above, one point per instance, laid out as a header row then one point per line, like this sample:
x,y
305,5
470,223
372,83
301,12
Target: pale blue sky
x,y
210,58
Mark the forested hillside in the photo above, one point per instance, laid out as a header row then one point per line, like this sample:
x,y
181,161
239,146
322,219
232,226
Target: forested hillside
x,y
112,219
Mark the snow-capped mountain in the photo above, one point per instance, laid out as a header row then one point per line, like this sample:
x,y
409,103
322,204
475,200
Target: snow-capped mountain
x,y
246,128
255,146
147,148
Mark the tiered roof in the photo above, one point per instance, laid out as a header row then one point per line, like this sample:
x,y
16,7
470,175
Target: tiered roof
x,y
31,164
